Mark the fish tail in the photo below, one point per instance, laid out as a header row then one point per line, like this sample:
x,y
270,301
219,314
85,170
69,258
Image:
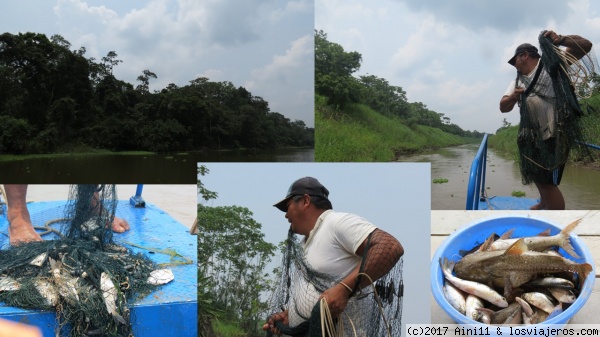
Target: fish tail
x,y
565,242
584,270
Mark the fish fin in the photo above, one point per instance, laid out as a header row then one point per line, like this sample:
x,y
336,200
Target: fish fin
x,y
487,244
565,242
507,235
585,269
517,248
118,318
544,233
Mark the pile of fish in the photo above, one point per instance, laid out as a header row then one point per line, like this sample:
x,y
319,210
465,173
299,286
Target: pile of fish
x,y
88,286
515,280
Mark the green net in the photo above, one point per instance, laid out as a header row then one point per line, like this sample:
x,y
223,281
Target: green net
x,y
374,310
550,124
83,276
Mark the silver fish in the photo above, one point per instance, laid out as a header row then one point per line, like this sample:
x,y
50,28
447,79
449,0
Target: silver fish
x,y
563,295
538,243
526,307
555,282
539,300
472,303
110,293
160,276
65,284
480,290
47,290
8,283
39,260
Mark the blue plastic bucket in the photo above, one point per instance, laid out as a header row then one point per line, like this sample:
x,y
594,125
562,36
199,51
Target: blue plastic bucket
x,y
475,233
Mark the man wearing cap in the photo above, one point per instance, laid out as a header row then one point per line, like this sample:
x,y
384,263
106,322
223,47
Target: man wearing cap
x,y
540,109
333,244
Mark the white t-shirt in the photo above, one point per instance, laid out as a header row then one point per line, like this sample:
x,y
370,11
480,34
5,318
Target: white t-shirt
x,y
539,104
330,248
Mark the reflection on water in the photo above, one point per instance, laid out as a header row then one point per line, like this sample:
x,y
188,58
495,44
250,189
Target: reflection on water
x,y
580,186
120,169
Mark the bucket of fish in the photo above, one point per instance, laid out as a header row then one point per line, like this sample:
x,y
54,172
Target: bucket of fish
x,y
512,270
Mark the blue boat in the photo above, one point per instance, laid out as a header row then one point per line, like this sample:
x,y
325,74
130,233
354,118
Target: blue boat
x,y
477,195
171,310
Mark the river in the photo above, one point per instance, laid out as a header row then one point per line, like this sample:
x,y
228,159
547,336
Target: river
x,y
124,168
580,186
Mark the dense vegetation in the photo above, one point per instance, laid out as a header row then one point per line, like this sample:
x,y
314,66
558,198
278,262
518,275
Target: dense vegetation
x,y
232,281
343,95
54,99
505,139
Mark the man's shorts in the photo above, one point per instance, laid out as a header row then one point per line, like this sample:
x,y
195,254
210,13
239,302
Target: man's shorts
x,y
546,177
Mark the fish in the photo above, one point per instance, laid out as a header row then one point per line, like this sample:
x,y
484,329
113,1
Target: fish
x,y
539,243
8,283
39,260
554,282
516,266
526,307
110,293
474,288
472,304
455,297
65,285
160,276
539,300
563,295
503,316
47,290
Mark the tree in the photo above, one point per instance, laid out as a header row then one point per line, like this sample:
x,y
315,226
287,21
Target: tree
x,y
333,71
233,255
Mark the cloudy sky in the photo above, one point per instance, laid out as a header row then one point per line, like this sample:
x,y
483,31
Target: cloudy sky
x,y
451,55
265,46
393,196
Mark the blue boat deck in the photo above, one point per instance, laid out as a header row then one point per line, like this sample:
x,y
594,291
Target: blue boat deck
x,y
506,203
171,310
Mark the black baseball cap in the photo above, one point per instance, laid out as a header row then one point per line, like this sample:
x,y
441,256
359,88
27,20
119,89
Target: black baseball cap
x,y
306,185
525,47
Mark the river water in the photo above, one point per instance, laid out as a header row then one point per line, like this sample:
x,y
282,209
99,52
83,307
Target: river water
x,y
121,168
580,186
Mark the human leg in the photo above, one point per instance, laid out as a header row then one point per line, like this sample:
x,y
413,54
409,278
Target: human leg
x,y
118,225
20,229
553,197
542,203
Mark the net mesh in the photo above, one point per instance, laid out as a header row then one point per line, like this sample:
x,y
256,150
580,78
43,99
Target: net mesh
x,y
83,276
375,310
550,125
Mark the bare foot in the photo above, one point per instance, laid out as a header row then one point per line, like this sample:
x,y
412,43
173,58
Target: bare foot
x,y
120,225
21,231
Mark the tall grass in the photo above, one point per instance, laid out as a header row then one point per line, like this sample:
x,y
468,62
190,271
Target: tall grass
x,y
360,134
505,140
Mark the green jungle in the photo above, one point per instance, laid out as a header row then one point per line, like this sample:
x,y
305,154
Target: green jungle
x,y
384,125
55,100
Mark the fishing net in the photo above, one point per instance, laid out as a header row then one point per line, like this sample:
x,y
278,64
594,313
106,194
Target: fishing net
x,y
375,310
550,125
83,276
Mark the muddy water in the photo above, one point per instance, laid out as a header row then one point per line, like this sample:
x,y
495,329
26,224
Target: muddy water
x,y
580,186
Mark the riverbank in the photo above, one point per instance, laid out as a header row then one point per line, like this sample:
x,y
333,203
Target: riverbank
x,y
360,134
505,141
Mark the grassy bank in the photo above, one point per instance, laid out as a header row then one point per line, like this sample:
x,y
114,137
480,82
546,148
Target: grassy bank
x,y
363,135
505,140
14,157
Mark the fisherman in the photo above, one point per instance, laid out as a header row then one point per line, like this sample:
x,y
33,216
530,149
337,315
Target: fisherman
x,y
20,227
334,244
536,98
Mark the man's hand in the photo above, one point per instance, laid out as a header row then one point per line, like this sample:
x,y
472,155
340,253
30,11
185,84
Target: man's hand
x,y
515,95
270,325
337,299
